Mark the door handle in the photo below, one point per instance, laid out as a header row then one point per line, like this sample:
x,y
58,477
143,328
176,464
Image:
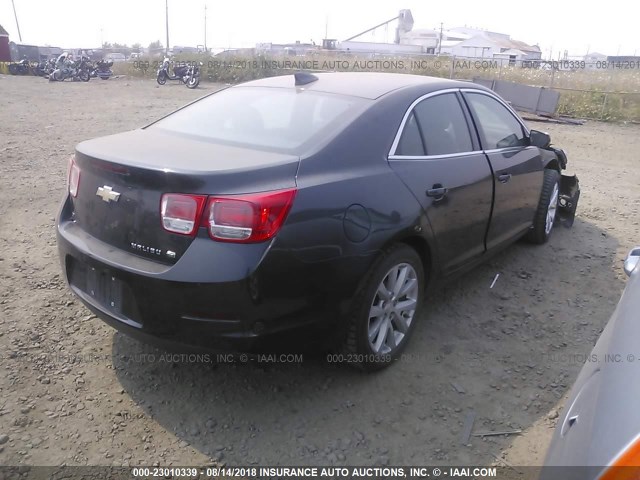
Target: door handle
x,y
437,192
504,178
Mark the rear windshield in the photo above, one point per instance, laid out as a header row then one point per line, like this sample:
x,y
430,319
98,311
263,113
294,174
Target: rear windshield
x,y
280,119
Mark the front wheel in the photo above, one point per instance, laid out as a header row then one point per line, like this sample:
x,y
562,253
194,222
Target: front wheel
x,y
545,215
56,76
193,81
161,78
386,309
84,76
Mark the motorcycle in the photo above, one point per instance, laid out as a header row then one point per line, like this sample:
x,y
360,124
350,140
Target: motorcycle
x,y
44,68
72,70
102,69
23,67
187,73
193,75
84,67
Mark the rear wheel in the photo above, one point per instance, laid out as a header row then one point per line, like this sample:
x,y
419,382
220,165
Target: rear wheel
x,y
547,208
386,309
84,76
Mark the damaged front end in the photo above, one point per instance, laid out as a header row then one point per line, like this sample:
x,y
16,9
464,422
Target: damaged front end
x,y
569,192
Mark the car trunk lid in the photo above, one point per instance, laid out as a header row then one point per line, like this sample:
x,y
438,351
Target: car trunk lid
x,y
124,176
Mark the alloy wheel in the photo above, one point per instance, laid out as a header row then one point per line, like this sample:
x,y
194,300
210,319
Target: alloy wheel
x,y
393,308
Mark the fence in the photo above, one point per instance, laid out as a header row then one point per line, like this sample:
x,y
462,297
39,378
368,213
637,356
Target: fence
x,y
603,90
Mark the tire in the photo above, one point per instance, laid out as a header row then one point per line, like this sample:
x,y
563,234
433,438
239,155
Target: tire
x,y
84,76
161,79
547,209
13,69
56,76
193,82
379,352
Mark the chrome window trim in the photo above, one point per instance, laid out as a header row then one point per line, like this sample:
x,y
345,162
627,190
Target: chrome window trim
x,y
396,140
433,157
394,146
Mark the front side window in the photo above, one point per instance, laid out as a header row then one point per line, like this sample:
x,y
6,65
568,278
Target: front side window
x,y
497,125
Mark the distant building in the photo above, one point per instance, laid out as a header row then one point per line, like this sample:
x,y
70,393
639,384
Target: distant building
x,y
177,50
425,38
5,52
594,60
624,59
33,53
475,43
472,43
297,48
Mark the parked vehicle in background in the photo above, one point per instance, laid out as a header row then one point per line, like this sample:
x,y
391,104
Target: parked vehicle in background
x,y
44,67
305,208
115,57
23,67
599,428
70,69
102,69
185,72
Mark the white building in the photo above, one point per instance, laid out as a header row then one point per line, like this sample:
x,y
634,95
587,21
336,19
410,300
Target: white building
x,y
425,38
472,43
594,60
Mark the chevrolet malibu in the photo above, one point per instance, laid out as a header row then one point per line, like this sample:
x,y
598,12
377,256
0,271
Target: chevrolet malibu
x,y
304,209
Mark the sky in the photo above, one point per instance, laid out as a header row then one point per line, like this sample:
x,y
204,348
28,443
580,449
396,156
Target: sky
x,y
610,28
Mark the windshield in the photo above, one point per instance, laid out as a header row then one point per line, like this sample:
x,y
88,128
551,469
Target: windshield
x,y
275,118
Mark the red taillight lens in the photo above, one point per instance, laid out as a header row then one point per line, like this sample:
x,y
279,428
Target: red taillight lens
x,y
181,213
248,218
73,177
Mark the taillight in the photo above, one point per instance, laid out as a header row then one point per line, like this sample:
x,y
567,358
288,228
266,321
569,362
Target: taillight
x,y
247,218
73,177
181,213
626,466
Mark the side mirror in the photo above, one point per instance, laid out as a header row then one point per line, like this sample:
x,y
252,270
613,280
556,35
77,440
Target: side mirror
x,y
632,260
539,139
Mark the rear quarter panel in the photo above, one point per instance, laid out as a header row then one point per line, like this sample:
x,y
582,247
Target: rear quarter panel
x,y
352,170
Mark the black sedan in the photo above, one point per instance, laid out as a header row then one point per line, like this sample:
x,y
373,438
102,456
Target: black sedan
x,y
303,209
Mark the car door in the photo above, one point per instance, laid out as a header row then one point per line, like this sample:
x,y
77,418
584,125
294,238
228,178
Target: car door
x,y
438,157
517,166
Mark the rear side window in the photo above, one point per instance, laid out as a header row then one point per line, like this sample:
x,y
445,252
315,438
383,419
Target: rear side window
x,y
497,125
443,126
436,126
411,140
275,118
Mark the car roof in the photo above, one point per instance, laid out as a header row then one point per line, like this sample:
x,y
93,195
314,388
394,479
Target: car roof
x,y
370,85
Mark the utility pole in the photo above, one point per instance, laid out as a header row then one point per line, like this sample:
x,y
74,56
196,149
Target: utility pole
x,y
440,41
166,2
205,27
16,16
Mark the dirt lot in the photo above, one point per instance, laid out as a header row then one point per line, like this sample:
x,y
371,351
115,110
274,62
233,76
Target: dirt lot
x,y
76,392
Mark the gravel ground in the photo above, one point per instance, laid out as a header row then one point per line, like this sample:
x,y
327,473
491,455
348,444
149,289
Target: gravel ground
x,y
75,392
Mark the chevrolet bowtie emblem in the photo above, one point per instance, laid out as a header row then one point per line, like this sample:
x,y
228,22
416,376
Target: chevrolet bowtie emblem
x,y
107,194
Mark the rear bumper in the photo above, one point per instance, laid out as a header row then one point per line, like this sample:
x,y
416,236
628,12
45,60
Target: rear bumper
x,y
213,301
